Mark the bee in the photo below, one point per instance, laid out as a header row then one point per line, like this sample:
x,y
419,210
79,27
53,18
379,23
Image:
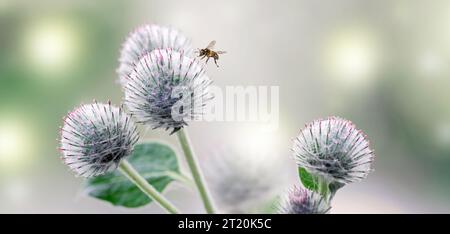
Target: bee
x,y
209,53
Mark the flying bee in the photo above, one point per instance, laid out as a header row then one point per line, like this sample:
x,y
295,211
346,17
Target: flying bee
x,y
208,52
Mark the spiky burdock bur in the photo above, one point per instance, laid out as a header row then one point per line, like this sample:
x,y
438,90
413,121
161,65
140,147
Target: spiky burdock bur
x,y
167,89
146,38
303,201
335,150
95,137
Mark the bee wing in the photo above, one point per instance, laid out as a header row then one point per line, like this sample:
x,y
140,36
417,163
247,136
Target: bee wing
x,y
211,45
221,52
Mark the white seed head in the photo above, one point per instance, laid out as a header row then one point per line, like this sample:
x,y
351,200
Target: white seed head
x,y
334,149
303,201
95,137
167,89
145,39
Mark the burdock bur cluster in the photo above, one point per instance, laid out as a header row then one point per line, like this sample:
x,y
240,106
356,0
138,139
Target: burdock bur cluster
x,y
165,86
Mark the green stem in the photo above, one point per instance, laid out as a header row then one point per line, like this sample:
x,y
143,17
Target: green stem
x,y
324,187
127,169
195,170
180,177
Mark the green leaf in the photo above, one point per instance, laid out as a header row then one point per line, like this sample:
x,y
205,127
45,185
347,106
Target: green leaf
x,y
308,180
154,161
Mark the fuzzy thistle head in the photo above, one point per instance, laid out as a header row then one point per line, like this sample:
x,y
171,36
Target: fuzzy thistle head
x,y
303,201
167,89
95,137
145,39
334,149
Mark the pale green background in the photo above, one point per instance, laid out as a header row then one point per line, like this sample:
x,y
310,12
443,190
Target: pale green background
x,y
382,64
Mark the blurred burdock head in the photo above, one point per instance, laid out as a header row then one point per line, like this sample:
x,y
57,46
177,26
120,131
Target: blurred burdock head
x,y
167,89
95,137
303,201
145,39
334,149
243,181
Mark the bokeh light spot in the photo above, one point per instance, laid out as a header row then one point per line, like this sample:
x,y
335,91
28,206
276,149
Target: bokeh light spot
x,y
257,140
52,46
351,55
15,143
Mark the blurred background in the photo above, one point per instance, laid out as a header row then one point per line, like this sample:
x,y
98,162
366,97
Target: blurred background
x,y
381,64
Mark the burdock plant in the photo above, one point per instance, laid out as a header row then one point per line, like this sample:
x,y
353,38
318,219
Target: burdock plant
x,y
303,201
97,138
331,153
145,39
166,88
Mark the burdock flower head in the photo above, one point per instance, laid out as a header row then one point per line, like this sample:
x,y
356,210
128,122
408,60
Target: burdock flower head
x,y
167,89
335,150
303,201
95,137
145,39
